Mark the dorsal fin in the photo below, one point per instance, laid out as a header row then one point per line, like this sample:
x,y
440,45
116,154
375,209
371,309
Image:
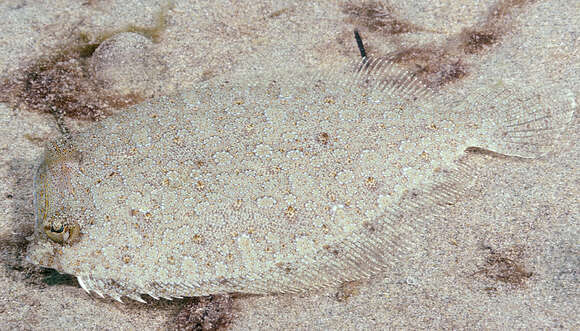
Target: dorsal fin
x,y
382,74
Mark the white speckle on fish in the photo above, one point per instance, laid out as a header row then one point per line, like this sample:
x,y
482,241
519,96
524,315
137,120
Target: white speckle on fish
x,y
234,188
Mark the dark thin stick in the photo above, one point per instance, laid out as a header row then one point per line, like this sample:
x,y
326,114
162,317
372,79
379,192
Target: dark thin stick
x,y
360,45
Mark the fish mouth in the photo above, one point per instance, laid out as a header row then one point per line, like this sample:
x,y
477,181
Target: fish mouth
x,y
42,253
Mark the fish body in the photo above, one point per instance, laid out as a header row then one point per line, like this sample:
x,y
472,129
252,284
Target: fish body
x,y
266,186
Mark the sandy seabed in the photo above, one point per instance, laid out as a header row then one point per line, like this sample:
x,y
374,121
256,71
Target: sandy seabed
x,y
505,257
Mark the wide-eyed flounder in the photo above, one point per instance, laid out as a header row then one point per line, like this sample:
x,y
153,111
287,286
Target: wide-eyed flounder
x,y
267,186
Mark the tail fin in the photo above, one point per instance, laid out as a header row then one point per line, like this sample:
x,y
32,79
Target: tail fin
x,y
520,123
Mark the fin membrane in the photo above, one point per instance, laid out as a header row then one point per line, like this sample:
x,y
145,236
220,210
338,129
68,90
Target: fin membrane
x,y
382,74
521,123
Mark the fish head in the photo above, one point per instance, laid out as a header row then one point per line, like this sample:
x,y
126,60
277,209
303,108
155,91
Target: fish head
x,y
60,205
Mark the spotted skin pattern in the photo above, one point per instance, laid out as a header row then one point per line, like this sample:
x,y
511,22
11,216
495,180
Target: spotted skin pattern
x,y
266,186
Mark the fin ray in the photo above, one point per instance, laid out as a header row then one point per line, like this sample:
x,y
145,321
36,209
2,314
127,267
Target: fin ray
x,y
519,122
384,75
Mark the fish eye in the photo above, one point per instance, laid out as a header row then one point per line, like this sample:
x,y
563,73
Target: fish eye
x,y
59,230
62,232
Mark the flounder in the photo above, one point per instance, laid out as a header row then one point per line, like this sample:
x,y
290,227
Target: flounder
x,y
270,186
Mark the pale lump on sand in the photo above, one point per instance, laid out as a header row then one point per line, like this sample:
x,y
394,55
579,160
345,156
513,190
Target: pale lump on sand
x,y
270,186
